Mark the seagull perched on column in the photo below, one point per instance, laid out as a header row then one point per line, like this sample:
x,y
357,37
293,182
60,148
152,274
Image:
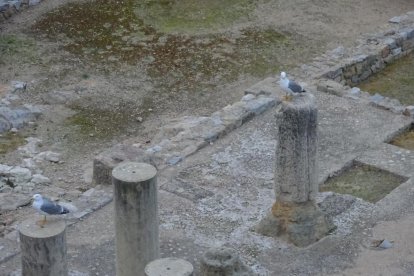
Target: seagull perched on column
x,y
290,87
47,207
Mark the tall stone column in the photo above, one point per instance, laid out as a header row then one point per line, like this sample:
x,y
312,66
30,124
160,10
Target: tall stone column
x,y
43,248
136,217
295,216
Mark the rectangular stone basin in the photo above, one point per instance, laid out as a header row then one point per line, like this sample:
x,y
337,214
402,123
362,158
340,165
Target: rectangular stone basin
x,y
404,140
363,181
395,81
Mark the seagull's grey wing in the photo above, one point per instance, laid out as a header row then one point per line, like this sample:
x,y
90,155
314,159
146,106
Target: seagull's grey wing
x,y
52,208
296,88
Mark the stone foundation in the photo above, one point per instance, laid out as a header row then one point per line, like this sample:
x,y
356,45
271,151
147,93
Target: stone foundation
x,y
299,223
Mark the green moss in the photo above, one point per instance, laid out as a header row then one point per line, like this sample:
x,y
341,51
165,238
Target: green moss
x,y
98,123
11,45
171,16
113,32
363,181
10,141
395,81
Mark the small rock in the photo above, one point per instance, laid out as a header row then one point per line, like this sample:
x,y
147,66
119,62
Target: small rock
x,y
20,176
28,163
174,160
12,201
376,98
409,111
154,149
385,244
355,91
4,169
382,244
34,2
139,119
89,192
19,85
248,97
14,130
48,156
40,179
397,19
32,146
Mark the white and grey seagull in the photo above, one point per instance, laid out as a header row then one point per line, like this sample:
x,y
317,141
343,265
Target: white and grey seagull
x,y
47,207
290,87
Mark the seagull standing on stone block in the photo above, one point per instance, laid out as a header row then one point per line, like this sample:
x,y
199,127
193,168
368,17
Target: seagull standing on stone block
x,y
47,207
290,87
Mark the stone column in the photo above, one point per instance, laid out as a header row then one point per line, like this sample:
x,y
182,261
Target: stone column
x,y
296,150
295,216
222,261
169,267
43,248
136,217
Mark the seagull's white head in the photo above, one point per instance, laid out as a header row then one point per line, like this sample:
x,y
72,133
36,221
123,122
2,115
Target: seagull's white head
x,y
283,75
37,197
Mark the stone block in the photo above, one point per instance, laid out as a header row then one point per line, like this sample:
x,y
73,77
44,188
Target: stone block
x,y
408,45
409,111
390,42
365,74
331,87
334,74
106,161
385,51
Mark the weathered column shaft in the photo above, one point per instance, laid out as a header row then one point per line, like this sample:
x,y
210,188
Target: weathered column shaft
x,y
43,249
296,150
295,216
136,217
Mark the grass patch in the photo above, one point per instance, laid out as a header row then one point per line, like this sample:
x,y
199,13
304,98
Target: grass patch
x,y
154,34
394,81
363,181
10,141
172,16
11,45
405,140
99,123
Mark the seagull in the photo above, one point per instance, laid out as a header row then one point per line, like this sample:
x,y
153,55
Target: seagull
x,y
290,87
47,207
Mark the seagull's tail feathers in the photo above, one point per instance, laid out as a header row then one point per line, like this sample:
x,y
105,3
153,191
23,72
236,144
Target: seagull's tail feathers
x,y
68,208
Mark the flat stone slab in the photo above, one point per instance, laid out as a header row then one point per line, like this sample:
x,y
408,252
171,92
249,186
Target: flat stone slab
x,y
12,201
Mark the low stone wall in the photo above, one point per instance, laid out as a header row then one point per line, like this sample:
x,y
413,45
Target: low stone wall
x,y
10,7
181,138
373,52
339,71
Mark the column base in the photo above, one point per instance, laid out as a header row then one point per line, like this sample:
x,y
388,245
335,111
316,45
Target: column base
x,y
299,223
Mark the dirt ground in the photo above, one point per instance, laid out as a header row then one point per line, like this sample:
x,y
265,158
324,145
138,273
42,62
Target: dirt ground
x,y
113,97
